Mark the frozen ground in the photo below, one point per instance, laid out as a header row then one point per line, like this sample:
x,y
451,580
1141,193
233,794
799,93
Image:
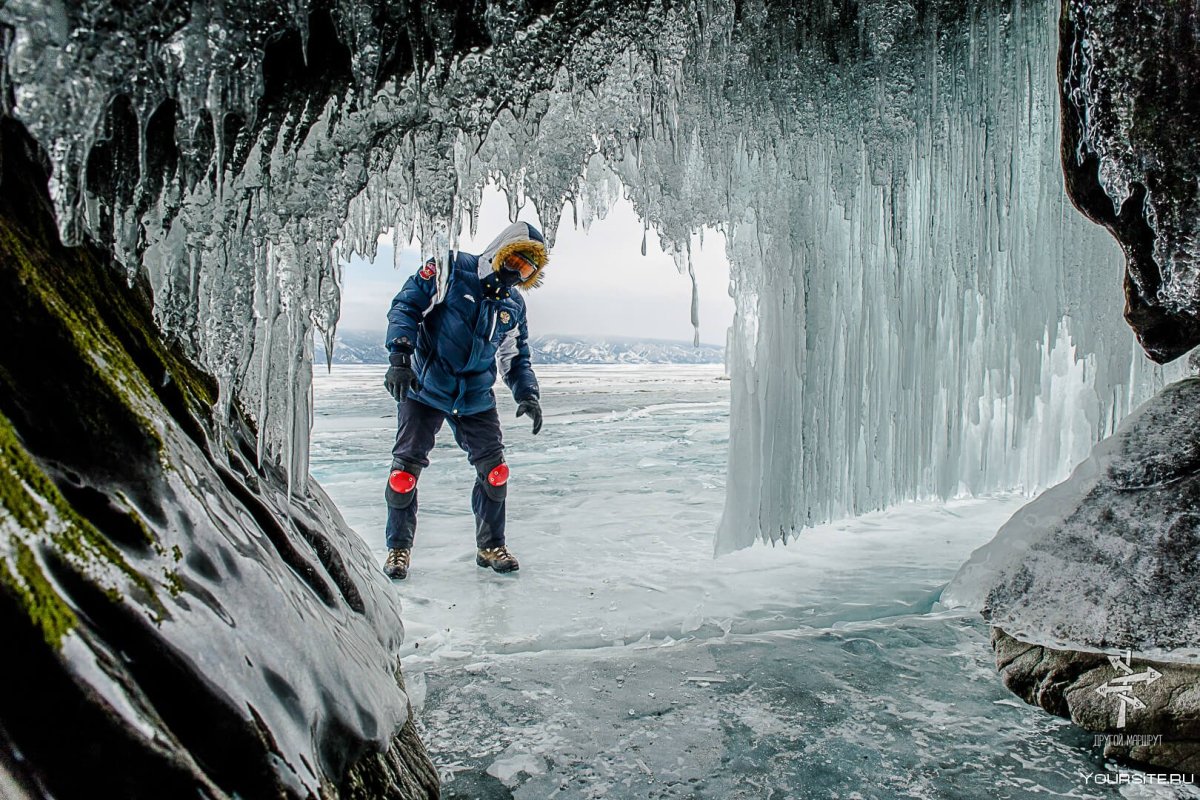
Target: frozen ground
x,y
624,661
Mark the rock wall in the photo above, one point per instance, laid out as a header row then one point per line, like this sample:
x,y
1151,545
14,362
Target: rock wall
x,y
1163,734
175,624
1130,84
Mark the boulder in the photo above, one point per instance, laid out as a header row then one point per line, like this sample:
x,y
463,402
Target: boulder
x,y
1109,559
1093,584
1164,735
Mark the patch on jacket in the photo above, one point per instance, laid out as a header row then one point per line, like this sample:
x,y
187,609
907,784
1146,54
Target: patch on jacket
x,y
504,317
429,270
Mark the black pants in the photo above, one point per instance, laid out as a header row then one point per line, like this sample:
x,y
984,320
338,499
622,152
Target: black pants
x,y
479,435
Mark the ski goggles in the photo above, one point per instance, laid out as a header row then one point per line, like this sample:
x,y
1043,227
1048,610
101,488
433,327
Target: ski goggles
x,y
522,264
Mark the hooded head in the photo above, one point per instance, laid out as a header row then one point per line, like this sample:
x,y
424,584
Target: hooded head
x,y
522,242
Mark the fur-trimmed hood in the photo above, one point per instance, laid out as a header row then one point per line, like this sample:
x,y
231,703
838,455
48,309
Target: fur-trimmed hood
x,y
522,237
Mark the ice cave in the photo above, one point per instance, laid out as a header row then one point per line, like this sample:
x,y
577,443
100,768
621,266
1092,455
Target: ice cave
x,y
934,536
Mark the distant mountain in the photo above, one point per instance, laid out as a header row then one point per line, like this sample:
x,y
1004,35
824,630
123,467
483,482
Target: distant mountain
x,y
353,347
620,350
366,347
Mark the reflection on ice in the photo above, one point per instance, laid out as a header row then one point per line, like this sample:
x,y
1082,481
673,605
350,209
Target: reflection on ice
x,y
624,660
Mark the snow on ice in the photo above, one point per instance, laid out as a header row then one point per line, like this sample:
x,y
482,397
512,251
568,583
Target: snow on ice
x,y
624,661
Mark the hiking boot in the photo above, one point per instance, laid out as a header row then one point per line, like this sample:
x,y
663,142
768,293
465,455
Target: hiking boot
x,y
498,558
396,566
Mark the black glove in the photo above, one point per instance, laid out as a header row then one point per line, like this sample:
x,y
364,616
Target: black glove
x,y
400,378
534,411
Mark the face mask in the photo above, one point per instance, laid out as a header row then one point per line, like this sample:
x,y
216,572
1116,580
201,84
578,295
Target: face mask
x,y
509,277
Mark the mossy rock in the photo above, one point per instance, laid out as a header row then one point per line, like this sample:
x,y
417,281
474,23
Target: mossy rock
x,y
114,476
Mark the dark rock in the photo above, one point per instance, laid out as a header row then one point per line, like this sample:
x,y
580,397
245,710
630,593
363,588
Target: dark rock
x,y
403,770
1130,111
178,621
1164,735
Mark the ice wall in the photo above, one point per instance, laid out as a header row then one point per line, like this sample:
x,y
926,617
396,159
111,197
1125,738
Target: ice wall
x,y
919,310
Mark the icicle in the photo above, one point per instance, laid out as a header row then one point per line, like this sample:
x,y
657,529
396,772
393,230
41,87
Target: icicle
x,y
905,264
695,297
328,337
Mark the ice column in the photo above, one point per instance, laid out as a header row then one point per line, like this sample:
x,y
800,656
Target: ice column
x,y
925,318
920,312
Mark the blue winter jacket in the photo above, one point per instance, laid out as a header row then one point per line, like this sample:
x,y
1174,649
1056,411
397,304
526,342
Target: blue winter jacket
x,y
461,334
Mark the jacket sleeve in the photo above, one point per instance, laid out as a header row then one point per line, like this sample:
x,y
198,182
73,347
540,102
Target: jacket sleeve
x,y
515,364
416,299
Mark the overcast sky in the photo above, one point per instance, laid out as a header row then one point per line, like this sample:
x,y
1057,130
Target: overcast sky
x,y
597,283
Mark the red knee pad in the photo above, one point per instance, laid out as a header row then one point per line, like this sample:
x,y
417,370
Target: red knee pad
x,y
499,475
402,482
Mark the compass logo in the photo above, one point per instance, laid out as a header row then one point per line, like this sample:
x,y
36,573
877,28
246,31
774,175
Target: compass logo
x,y
1123,686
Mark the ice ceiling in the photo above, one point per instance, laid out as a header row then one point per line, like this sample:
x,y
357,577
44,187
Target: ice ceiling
x,y
920,310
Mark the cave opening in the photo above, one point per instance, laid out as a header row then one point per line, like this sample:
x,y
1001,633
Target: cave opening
x,y
632,452
921,321
620,619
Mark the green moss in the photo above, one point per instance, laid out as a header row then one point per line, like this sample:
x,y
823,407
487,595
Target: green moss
x,y
36,595
15,499
109,362
173,582
127,386
114,338
26,489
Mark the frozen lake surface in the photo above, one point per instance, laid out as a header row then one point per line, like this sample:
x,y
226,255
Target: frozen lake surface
x,y
623,660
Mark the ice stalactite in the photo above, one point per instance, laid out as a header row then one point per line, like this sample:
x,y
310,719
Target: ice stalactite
x,y
219,154
923,268
920,312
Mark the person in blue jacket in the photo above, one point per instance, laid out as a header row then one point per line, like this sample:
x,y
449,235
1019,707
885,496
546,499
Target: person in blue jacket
x,y
449,330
